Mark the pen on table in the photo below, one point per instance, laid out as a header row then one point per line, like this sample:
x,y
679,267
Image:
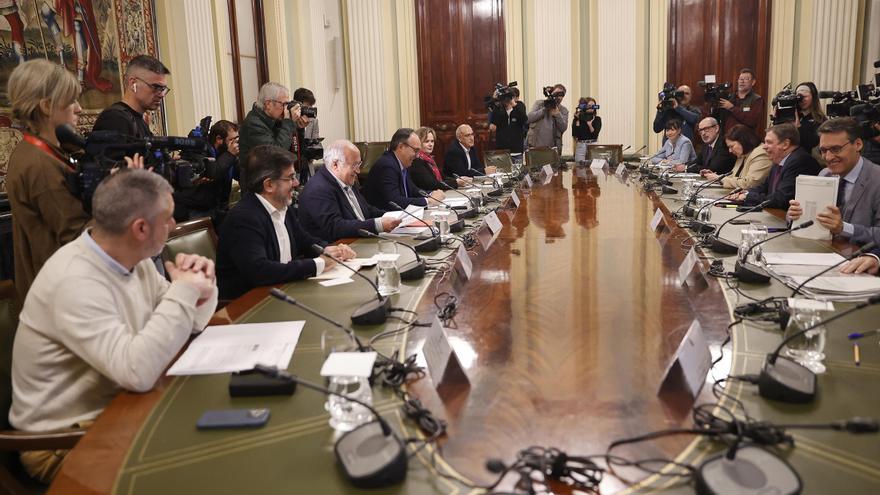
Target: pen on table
x,y
856,356
854,337
727,206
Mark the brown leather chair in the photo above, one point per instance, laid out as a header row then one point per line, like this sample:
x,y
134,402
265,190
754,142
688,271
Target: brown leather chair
x,y
540,156
13,478
195,237
499,159
370,152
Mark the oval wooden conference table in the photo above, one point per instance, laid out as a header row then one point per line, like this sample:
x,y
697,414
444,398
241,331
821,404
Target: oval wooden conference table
x,y
572,314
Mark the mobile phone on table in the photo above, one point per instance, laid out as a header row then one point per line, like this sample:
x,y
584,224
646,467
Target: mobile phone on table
x,y
233,418
740,222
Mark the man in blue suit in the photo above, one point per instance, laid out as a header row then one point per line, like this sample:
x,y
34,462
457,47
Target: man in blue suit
x,y
389,181
261,240
330,207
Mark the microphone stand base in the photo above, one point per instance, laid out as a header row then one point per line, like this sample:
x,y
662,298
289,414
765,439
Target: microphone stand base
x,y
457,226
371,459
751,273
466,212
702,227
722,246
786,381
431,244
414,270
372,312
752,470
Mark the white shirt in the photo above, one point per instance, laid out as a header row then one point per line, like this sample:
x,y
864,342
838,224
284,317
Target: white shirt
x,y
467,154
352,200
277,216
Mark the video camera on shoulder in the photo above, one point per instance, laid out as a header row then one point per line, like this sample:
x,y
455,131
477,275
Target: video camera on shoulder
x,y
313,149
669,95
310,112
786,103
501,93
550,98
714,92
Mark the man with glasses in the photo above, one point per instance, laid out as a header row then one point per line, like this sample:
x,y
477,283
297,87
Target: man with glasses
x,y
261,241
461,156
547,123
331,207
747,107
856,216
714,157
389,180
681,110
145,84
270,121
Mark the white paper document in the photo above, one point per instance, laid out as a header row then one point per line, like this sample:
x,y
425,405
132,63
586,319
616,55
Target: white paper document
x,y
598,163
815,259
457,200
338,271
228,348
842,285
358,364
814,194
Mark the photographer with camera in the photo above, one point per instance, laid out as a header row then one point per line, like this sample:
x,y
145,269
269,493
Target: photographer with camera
x,y
585,127
548,119
306,141
801,108
675,104
145,85
746,108
210,195
272,120
507,118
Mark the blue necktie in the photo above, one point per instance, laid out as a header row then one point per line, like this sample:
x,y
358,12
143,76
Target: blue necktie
x,y
405,180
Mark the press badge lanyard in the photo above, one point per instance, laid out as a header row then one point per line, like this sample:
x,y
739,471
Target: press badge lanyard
x,y
44,146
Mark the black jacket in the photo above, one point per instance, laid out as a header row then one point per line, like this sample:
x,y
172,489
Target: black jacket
x,y
509,133
385,183
799,162
325,212
248,254
721,161
456,162
421,174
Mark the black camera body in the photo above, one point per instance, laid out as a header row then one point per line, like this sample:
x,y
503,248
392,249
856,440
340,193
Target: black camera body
x,y
714,92
549,100
581,114
501,93
668,96
313,149
310,112
786,103
868,116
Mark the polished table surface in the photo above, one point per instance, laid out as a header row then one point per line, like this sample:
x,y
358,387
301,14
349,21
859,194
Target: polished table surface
x,y
571,315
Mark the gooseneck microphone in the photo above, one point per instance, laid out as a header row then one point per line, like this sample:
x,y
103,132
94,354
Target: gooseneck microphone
x,y
752,273
495,182
431,244
705,227
371,455
719,244
282,296
414,270
867,247
458,225
372,312
784,379
689,212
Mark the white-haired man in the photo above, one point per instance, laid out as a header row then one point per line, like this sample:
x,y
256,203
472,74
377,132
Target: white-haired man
x,y
270,121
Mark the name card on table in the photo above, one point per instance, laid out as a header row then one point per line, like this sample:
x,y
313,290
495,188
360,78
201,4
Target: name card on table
x,y
598,163
439,355
687,265
620,170
466,264
691,361
658,217
548,170
515,198
493,222
528,179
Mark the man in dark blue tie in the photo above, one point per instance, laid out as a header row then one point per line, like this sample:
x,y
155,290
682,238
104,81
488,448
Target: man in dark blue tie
x,y
389,181
714,157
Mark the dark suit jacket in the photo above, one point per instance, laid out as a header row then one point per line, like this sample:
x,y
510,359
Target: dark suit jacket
x,y
325,212
422,175
720,162
456,162
385,183
798,162
247,252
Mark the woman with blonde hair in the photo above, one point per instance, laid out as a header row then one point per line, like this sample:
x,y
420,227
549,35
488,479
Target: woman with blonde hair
x,y
45,215
424,170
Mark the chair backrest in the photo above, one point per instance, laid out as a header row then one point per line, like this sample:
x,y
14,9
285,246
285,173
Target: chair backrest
x,y
8,325
373,152
499,159
192,237
538,157
611,152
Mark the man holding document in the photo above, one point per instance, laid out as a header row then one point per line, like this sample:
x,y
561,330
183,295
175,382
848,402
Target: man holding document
x,y
856,216
100,318
261,241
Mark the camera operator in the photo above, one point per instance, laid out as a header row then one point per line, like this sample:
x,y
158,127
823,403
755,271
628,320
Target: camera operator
x,y
210,195
144,86
506,120
272,120
871,150
548,119
746,107
677,107
306,133
807,115
585,127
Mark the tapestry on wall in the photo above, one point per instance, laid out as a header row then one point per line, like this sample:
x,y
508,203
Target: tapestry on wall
x,y
93,39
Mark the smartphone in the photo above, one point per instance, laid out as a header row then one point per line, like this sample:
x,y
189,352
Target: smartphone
x,y
233,418
740,222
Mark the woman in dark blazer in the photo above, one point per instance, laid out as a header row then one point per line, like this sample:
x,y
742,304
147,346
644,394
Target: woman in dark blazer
x,y
424,171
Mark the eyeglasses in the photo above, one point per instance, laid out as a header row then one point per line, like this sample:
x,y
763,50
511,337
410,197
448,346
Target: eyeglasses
x,y
704,129
282,103
158,88
357,165
834,150
292,177
413,147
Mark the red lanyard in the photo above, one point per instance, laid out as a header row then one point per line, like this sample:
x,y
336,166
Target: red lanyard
x,y
44,146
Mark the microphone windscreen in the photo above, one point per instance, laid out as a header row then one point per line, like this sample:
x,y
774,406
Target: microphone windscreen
x,y
827,94
318,249
66,134
805,224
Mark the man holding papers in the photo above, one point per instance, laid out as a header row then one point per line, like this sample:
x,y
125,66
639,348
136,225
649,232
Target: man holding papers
x,y
261,241
856,216
99,318
330,207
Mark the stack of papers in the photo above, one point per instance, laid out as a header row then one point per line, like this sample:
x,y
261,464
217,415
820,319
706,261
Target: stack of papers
x,y
408,224
457,201
795,268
